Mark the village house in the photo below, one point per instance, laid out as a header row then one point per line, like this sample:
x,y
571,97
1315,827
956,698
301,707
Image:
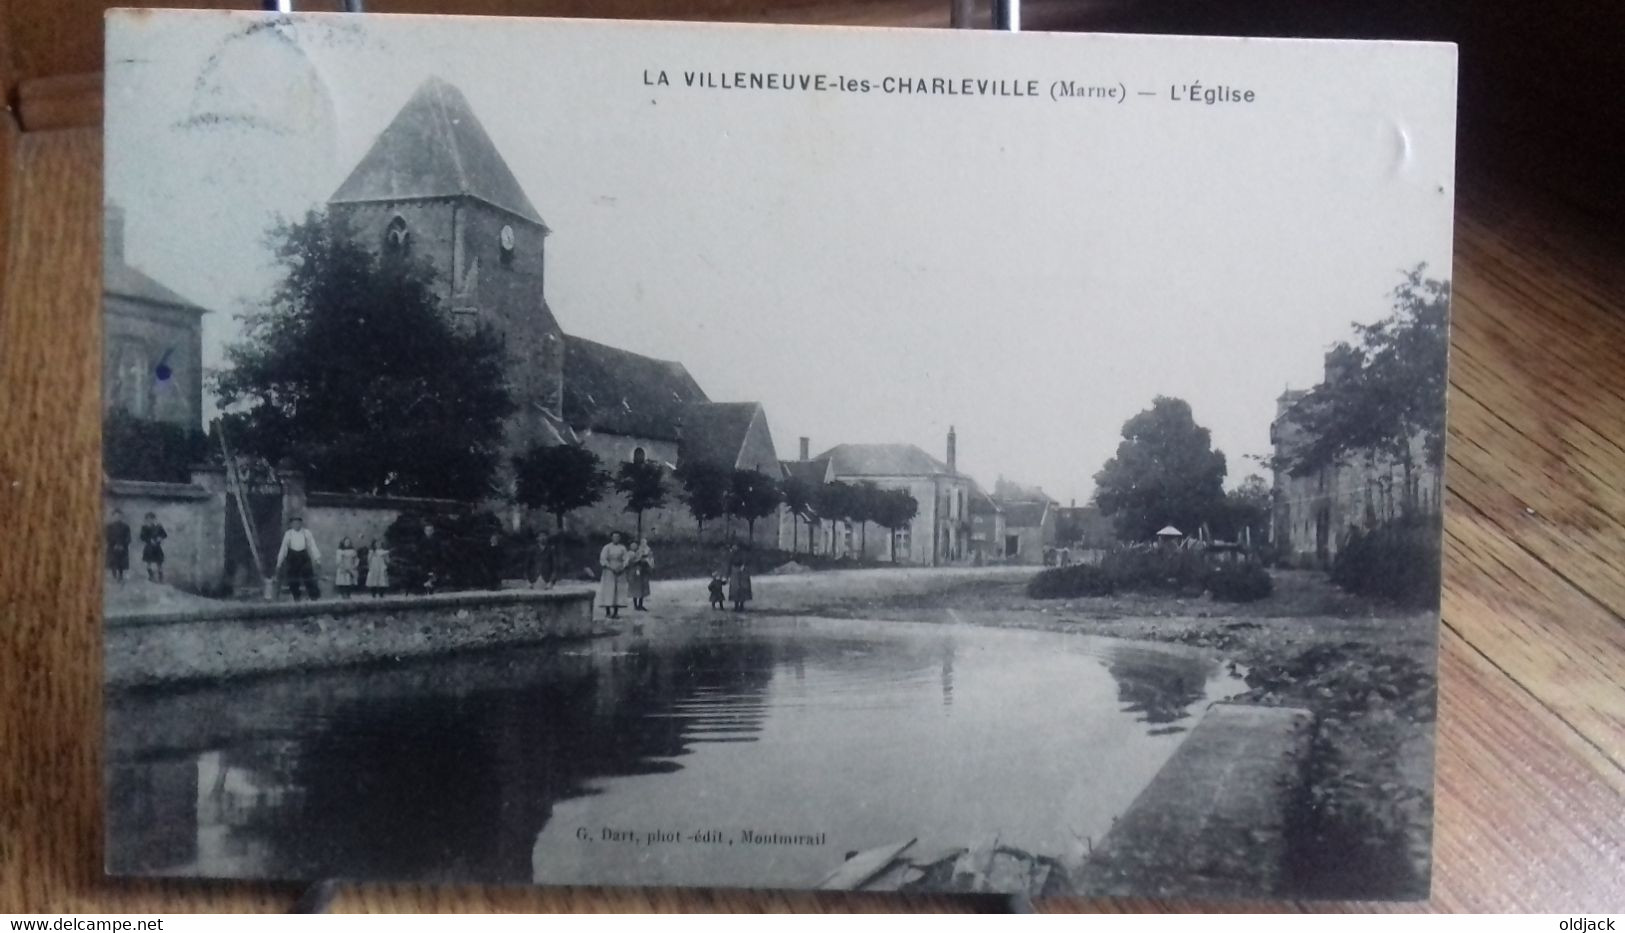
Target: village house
x,y
940,531
1015,525
152,351
434,186
1315,511
1084,529
987,541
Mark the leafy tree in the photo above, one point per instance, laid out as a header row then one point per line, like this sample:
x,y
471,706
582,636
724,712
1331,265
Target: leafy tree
x,y
753,496
155,451
705,491
1387,389
559,479
1166,472
1246,511
863,507
833,501
893,509
352,373
798,498
643,482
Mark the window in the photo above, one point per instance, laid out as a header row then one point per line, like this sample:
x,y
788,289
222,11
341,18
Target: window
x,y
397,239
638,456
902,542
1012,545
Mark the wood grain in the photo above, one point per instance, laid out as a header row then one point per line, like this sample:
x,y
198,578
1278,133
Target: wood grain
x,y
1531,751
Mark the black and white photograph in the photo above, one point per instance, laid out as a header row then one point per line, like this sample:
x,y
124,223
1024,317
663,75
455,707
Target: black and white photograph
x,y
588,453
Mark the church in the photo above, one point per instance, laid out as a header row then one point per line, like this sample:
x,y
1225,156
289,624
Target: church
x,y
152,351
434,186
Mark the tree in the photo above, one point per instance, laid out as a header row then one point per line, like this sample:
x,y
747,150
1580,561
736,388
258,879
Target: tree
x,y
643,482
798,498
833,500
1166,472
705,491
895,508
863,506
752,496
1246,511
559,479
1387,390
353,374
156,451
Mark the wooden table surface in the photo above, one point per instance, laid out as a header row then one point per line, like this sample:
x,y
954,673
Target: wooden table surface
x,y
1531,732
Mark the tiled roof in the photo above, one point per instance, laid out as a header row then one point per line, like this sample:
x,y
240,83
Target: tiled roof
x,y
714,432
435,147
621,392
882,460
1010,490
126,282
1024,514
981,503
811,472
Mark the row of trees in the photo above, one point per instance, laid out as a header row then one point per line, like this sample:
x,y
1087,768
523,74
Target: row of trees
x,y
560,479
352,373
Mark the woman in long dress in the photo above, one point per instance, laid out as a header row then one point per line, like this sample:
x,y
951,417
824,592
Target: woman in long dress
x,y
738,579
612,582
640,569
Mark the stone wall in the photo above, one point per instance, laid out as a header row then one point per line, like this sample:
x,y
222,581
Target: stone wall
x,y
193,515
236,639
332,517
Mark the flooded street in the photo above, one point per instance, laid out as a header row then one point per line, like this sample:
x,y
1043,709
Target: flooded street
x,y
762,750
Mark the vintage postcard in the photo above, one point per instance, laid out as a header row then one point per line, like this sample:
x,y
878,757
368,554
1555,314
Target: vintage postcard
x,y
577,452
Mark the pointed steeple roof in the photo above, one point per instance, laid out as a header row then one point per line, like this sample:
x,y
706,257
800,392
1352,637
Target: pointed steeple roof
x,y
436,148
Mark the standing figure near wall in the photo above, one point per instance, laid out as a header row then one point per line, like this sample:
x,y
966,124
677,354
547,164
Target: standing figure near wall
x,y
347,568
612,561
739,590
639,571
377,569
152,549
118,545
300,555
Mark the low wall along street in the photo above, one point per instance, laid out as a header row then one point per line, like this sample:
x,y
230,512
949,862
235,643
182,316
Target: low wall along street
x,y
1216,820
236,639
193,515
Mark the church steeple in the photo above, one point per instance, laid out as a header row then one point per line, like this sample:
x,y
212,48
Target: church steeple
x,y
436,148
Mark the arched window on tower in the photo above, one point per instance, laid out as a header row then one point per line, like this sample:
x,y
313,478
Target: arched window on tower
x,y
397,239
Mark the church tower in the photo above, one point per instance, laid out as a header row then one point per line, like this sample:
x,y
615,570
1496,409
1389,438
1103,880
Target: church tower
x,y
434,187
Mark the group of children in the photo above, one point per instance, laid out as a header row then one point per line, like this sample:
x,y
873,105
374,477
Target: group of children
x,y
297,558
348,577
152,546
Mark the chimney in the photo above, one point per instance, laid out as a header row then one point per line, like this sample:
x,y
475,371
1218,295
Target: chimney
x,y
953,451
805,441
113,231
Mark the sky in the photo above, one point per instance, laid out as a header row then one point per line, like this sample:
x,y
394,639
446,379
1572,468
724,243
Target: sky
x,y
869,267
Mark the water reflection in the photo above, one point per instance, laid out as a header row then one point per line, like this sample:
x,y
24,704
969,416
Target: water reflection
x,y
1161,687
484,767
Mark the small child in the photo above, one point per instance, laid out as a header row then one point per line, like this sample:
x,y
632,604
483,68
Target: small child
x,y
715,589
